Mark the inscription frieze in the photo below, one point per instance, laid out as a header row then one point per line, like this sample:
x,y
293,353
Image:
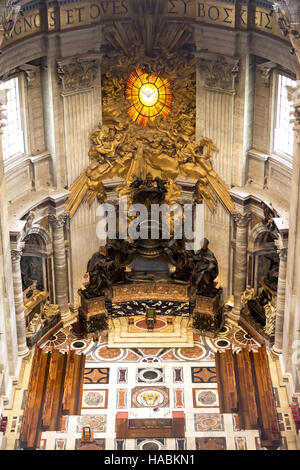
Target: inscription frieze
x,y
69,15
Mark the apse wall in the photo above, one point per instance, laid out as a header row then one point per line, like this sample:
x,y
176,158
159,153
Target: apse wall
x,y
58,122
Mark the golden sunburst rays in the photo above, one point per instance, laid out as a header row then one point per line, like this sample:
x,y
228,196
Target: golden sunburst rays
x,y
151,96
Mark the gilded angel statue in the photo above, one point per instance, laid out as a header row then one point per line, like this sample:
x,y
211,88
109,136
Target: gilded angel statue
x,y
117,152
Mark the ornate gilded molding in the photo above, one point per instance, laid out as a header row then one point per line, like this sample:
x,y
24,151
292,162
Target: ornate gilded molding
x,y
219,73
78,73
240,219
58,221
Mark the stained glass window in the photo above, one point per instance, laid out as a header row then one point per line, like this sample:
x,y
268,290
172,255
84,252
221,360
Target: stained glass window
x,y
151,96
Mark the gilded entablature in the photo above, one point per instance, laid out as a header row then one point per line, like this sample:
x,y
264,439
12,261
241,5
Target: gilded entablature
x,y
45,17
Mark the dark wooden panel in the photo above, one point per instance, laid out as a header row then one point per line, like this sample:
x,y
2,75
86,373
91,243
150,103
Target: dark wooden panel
x,y
55,382
245,386
72,396
167,428
247,408
268,422
226,382
31,431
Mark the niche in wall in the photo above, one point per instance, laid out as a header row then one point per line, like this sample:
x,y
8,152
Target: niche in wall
x,y
33,262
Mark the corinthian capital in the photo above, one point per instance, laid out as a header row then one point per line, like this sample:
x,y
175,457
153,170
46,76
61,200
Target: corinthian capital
x,y
219,73
78,72
16,255
241,220
282,254
58,221
281,250
265,70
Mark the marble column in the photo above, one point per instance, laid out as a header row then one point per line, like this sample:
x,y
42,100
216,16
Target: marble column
x,y
60,264
240,261
280,305
19,303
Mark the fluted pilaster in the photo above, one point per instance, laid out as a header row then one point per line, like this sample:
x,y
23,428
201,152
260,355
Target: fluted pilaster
x,y
79,77
216,92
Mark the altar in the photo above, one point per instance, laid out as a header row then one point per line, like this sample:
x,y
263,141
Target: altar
x,y
140,305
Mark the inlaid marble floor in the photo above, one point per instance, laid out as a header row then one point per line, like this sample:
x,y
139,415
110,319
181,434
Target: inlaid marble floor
x,y
181,379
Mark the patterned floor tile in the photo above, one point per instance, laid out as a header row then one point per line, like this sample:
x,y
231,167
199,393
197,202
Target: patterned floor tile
x,y
97,423
210,443
204,374
209,422
96,376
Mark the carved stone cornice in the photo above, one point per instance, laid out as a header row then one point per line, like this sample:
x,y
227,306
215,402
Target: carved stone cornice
x,y
31,73
219,72
58,221
78,72
241,220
